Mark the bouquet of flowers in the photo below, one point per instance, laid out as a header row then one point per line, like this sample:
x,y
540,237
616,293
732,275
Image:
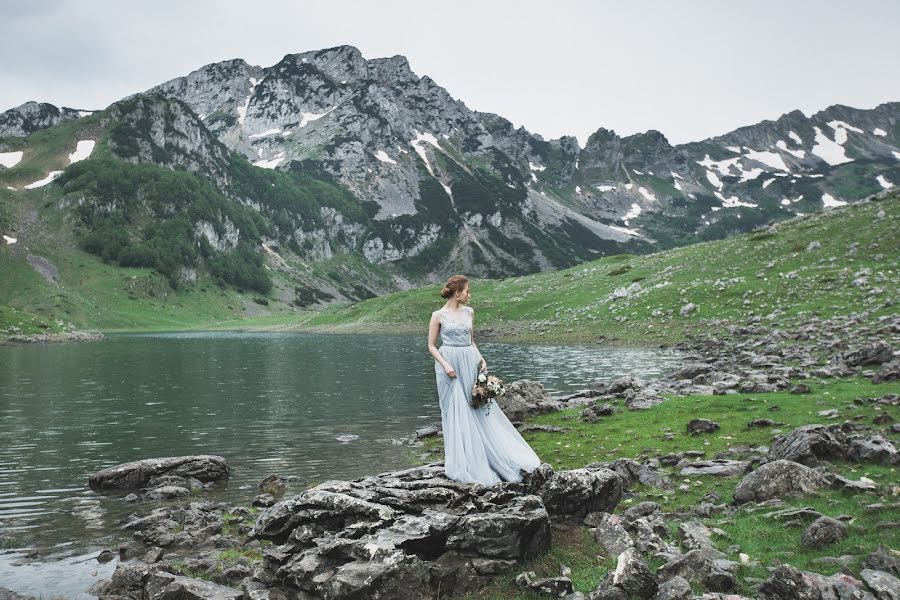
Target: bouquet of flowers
x,y
487,387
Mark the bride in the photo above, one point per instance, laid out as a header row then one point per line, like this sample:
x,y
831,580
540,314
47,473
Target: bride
x,y
480,446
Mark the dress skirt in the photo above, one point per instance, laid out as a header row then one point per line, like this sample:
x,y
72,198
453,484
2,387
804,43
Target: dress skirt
x,y
480,444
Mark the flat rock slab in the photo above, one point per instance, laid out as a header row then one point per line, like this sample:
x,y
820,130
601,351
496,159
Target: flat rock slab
x,y
719,467
138,474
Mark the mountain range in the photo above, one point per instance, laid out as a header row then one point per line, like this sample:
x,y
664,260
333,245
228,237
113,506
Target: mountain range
x,y
253,173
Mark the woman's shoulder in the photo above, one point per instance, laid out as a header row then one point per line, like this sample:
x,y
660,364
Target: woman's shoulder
x,y
470,310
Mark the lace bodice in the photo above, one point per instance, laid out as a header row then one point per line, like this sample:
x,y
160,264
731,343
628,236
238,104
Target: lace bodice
x,y
456,329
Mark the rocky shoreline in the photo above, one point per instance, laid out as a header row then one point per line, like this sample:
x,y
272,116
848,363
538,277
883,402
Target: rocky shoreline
x,y
50,338
414,533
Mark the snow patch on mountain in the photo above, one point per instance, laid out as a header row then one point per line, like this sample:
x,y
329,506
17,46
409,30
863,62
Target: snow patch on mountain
x,y
383,157
265,133
771,159
242,110
828,201
796,138
83,150
840,131
733,201
11,159
646,194
829,150
632,213
883,182
272,162
308,117
42,182
415,143
713,179
879,132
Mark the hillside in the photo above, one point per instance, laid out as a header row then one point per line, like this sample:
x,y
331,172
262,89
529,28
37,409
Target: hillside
x,y
836,262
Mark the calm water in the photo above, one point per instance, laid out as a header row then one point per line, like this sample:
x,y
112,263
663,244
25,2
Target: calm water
x,y
311,406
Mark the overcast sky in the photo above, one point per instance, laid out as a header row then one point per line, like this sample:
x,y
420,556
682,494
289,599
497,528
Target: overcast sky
x,y
689,68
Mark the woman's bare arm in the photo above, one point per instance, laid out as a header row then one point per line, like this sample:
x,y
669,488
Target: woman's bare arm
x,y
433,326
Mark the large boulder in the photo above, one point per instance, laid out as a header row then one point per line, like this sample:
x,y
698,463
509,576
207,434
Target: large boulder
x,y
778,479
581,491
402,534
524,398
810,445
133,475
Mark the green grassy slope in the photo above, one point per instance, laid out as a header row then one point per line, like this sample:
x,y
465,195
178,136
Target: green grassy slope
x,y
806,264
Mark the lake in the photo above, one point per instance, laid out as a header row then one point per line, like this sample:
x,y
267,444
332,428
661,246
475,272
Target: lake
x,y
309,406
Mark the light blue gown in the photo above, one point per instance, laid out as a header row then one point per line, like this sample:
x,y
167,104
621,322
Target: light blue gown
x,y
480,445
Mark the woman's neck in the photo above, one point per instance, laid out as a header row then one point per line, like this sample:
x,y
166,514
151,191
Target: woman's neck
x,y
453,305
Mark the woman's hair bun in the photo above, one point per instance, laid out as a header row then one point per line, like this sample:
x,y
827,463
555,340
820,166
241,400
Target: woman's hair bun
x,y
454,284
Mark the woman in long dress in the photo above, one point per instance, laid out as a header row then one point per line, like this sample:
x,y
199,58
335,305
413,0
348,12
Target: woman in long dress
x,y
480,444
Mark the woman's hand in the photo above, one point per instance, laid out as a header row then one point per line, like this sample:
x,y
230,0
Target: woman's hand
x,y
449,370
483,366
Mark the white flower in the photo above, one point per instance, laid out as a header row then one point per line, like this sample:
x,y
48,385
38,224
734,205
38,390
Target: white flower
x,y
482,377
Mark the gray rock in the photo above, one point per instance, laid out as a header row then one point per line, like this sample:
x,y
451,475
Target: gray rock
x,y
788,583
889,371
885,585
687,309
642,399
525,398
881,559
580,491
690,371
706,566
875,353
676,588
824,531
810,445
611,535
427,431
408,532
641,509
694,535
633,576
274,485
875,449
139,473
716,467
778,479
698,426
167,492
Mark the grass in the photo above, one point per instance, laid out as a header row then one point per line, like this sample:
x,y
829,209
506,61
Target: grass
x,y
640,434
752,274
